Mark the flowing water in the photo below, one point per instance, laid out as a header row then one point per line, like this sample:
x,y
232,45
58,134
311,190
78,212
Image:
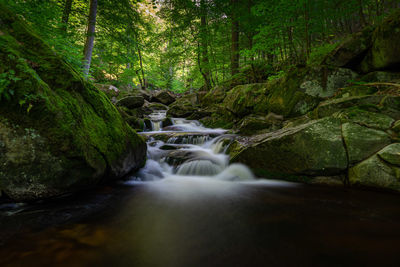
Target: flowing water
x,y
189,207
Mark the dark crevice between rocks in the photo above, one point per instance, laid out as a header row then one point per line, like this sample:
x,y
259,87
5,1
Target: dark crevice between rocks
x,y
355,63
346,181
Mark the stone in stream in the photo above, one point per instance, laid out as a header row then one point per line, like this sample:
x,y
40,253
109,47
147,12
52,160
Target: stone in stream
x,y
58,133
382,170
315,148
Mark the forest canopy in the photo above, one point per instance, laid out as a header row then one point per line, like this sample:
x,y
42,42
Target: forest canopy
x,y
191,44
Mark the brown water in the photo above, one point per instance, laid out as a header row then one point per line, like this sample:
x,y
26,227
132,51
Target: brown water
x,y
205,223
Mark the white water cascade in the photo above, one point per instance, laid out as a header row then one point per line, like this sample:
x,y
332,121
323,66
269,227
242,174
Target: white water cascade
x,y
188,150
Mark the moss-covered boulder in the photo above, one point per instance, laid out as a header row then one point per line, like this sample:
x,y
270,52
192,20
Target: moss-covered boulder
x,y
182,107
131,102
215,96
377,172
253,124
163,97
391,154
362,142
385,104
58,133
314,148
351,51
246,99
365,118
385,50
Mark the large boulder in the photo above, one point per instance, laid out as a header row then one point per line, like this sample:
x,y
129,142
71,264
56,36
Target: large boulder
x,y
351,51
131,102
314,148
183,107
385,50
253,123
163,97
362,142
382,170
58,133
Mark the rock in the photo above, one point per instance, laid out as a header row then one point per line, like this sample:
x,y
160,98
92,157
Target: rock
x,y
327,84
365,118
110,90
351,51
362,142
315,148
58,133
374,172
246,99
381,76
131,102
163,97
251,124
331,106
391,154
182,108
301,89
150,107
396,127
215,96
385,50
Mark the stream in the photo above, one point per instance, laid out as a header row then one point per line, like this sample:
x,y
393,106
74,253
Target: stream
x,y
189,207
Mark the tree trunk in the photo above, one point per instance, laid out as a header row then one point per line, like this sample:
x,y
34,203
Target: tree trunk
x,y
234,39
66,12
144,85
363,22
307,31
205,63
90,36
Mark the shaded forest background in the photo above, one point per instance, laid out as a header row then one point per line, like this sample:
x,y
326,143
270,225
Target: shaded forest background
x,y
190,44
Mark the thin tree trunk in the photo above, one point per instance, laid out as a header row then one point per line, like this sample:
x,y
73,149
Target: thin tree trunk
x,y
234,39
90,36
205,63
66,12
307,32
144,85
363,22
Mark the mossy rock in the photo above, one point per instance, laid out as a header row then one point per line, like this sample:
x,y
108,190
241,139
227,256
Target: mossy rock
x,y
362,142
246,99
376,173
58,133
215,96
351,51
253,124
365,118
380,76
163,97
315,148
370,103
385,50
131,102
391,154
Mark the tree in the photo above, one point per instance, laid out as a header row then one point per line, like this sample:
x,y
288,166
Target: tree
x,y
91,30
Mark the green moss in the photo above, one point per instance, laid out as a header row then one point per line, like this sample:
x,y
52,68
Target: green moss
x,y
79,127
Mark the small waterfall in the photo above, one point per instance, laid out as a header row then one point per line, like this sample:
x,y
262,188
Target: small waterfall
x,y
190,151
156,125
